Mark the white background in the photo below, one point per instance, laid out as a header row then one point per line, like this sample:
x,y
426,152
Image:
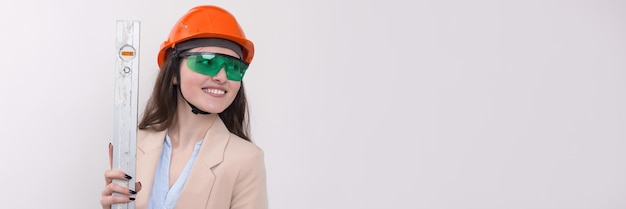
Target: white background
x,y
358,104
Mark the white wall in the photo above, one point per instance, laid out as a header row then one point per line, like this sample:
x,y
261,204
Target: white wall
x,y
357,104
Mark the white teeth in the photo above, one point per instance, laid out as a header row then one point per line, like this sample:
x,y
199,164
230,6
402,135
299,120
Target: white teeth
x,y
214,91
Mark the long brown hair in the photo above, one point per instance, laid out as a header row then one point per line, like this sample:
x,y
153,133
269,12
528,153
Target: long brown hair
x,y
160,110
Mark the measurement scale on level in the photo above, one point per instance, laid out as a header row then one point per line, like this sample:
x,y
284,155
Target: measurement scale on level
x,y
125,103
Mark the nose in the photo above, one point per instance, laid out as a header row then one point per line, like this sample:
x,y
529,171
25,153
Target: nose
x,y
221,76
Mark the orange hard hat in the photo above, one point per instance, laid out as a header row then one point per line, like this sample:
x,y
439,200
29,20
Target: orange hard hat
x,y
207,22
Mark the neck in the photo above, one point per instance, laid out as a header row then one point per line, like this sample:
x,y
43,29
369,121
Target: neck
x,y
189,128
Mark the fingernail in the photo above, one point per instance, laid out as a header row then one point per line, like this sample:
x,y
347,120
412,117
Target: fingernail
x,y
110,145
131,198
131,191
128,177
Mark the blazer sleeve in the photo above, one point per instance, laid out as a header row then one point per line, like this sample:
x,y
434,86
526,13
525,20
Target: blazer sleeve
x,y
250,190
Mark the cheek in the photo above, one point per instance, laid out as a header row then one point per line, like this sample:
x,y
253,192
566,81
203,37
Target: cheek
x,y
189,77
188,82
234,86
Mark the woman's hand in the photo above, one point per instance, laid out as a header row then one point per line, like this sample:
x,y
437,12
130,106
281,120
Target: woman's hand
x,y
107,198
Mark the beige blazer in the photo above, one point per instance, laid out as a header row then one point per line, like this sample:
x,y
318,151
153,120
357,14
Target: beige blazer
x,y
229,172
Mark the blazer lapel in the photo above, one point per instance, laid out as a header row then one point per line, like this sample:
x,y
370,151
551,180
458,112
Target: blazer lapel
x,y
199,184
149,148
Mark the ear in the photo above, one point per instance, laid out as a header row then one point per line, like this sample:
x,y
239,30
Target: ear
x,y
174,80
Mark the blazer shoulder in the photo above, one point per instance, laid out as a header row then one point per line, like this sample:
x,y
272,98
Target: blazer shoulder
x,y
142,134
242,149
241,143
148,139
247,174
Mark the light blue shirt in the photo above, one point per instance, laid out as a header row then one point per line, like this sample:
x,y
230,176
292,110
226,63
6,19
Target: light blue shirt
x,y
161,196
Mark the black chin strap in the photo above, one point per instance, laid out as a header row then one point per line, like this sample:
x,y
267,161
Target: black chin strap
x,y
194,109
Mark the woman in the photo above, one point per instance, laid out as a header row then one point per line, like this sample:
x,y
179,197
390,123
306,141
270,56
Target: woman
x,y
193,146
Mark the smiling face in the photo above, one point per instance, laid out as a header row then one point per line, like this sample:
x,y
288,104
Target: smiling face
x,y
208,93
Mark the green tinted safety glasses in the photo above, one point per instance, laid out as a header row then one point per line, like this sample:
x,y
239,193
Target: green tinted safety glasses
x,y
210,64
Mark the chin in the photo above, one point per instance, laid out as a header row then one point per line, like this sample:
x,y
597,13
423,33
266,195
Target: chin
x,y
213,110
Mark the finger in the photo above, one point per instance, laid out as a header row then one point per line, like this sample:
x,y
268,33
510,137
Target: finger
x,y
107,201
109,189
109,175
138,186
110,156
